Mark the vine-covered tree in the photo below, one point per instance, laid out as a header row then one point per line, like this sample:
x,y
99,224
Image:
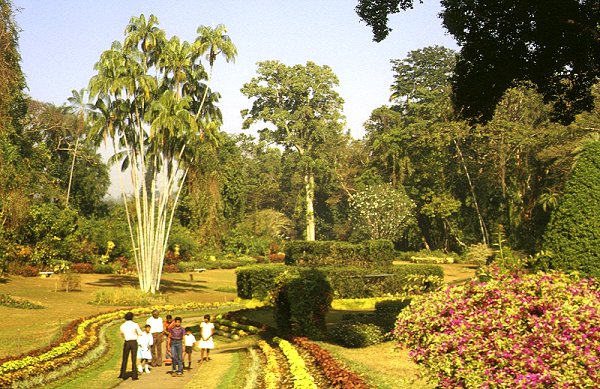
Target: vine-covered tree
x,y
554,44
301,104
151,99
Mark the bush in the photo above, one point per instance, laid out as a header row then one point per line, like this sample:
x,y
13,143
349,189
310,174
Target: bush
x,y
170,269
357,334
479,254
573,234
515,331
386,313
82,268
257,281
23,270
372,253
212,262
103,269
302,300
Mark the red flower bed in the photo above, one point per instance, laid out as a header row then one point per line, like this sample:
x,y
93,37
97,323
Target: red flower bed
x,y
339,376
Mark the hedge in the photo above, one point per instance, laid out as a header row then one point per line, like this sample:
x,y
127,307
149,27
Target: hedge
x,y
349,282
255,281
386,313
371,253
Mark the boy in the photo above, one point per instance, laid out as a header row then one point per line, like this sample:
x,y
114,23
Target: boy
x,y
190,339
176,334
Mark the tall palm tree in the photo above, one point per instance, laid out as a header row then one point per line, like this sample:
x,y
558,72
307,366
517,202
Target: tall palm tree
x,y
79,107
213,42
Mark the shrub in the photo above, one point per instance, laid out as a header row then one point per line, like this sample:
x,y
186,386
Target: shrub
x,y
479,254
23,270
573,234
357,335
257,281
374,253
386,312
103,269
277,257
171,268
533,331
70,281
82,268
302,300
212,262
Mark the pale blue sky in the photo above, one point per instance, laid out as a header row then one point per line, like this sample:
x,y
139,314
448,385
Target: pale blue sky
x,y
62,39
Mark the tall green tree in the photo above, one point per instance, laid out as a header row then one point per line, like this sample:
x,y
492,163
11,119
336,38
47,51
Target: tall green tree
x,y
553,44
304,111
149,98
573,234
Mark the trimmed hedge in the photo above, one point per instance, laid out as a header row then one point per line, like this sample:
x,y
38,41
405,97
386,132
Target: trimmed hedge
x,y
386,313
349,282
370,253
256,281
302,300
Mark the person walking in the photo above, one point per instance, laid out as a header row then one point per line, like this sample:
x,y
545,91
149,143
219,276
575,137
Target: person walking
x,y
129,332
156,329
176,334
167,325
144,355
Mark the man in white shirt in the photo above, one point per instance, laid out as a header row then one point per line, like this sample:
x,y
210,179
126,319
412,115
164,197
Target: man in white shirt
x,y
129,332
156,329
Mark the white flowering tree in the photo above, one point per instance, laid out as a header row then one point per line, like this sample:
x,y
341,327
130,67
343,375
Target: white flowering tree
x,y
381,212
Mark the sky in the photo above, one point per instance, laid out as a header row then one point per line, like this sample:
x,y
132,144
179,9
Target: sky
x,y
61,40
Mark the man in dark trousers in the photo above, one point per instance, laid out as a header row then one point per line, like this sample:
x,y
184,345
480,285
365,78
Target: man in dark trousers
x,y
156,329
129,332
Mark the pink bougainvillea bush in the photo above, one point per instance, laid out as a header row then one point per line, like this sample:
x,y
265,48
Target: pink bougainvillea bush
x,y
514,331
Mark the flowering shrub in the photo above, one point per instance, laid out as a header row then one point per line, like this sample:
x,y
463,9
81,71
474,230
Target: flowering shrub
x,y
514,331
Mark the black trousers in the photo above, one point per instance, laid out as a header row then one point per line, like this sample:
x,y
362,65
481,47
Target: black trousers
x,y
129,346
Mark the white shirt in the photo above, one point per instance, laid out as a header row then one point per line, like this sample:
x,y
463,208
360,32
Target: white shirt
x,y
156,325
190,339
130,330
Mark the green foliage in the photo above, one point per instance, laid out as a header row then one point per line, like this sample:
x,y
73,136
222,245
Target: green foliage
x,y
301,302
478,254
257,281
387,311
573,234
381,212
100,268
375,253
357,335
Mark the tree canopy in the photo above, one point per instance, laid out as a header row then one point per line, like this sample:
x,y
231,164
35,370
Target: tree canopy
x,y
554,44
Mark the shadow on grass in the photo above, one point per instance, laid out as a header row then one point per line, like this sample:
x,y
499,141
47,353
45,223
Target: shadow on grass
x,y
165,285
4,280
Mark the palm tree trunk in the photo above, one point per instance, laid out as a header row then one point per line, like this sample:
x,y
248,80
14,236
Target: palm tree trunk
x,y
71,173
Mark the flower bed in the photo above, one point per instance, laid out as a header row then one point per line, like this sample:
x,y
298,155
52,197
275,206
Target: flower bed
x,y
515,331
79,337
302,379
233,329
271,373
11,302
338,376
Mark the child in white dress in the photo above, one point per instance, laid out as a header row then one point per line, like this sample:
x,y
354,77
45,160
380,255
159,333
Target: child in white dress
x,y
144,355
207,330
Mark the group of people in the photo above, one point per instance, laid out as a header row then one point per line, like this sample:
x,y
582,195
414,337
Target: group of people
x,y
144,346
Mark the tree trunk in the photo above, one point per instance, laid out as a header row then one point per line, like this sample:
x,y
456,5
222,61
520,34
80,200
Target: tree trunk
x,y
309,180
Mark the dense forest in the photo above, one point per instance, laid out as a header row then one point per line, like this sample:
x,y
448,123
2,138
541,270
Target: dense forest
x,y
421,176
